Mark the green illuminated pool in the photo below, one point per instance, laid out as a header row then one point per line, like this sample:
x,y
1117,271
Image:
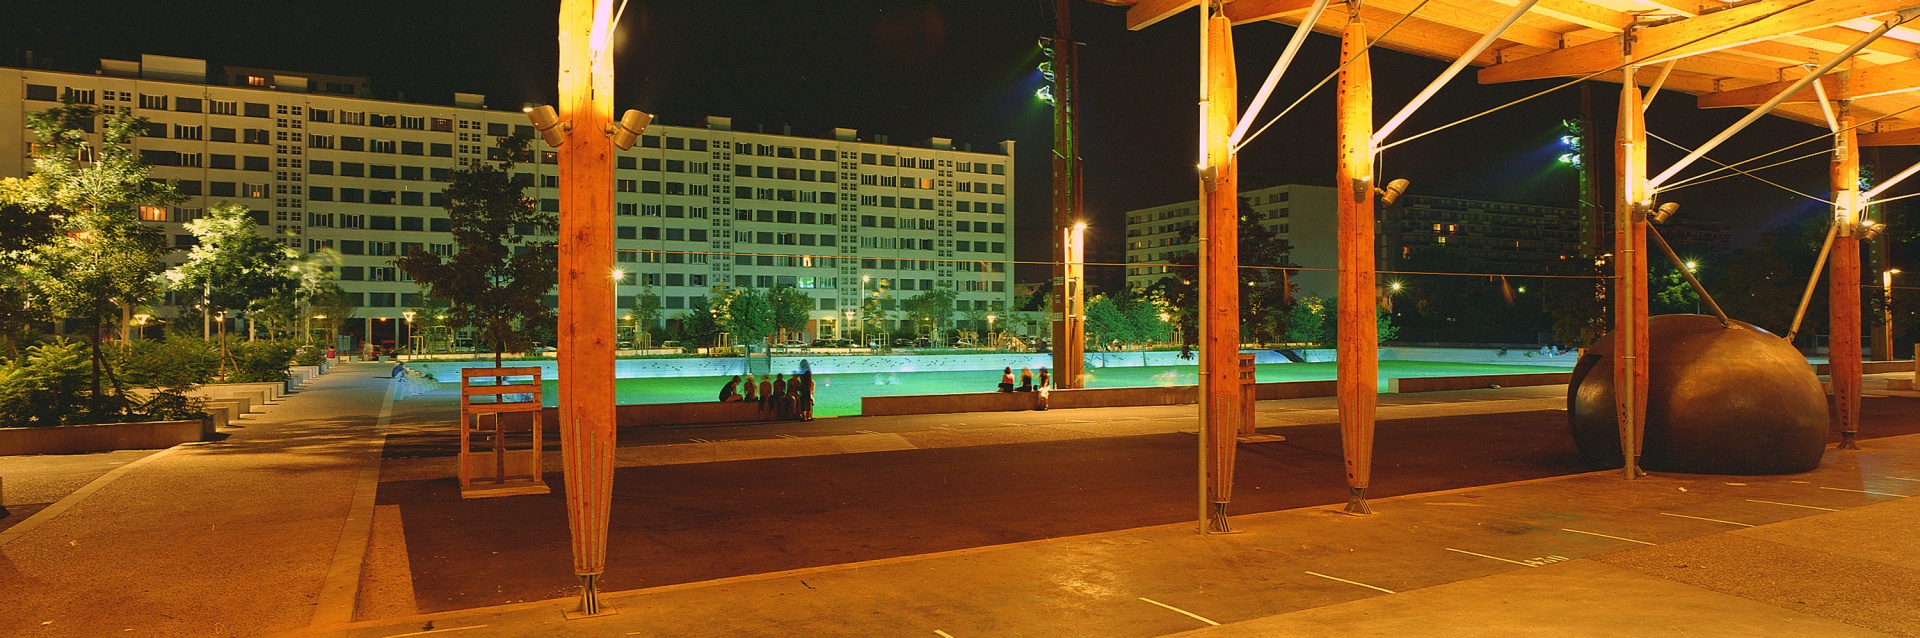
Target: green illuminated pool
x,y
839,394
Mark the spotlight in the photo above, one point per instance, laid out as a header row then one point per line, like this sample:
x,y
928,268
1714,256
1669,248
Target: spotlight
x,y
1870,230
1392,192
1665,211
1045,94
1570,140
547,122
628,129
1046,70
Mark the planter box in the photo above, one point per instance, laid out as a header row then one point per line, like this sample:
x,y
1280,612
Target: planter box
x,y
73,439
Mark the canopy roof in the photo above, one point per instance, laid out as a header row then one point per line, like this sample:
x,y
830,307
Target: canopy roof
x,y
1728,54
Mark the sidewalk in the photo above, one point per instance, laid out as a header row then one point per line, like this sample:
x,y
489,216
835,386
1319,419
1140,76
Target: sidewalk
x,y
226,538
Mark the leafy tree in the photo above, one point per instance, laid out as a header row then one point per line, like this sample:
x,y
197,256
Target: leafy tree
x,y
330,307
1128,317
646,310
750,316
789,308
931,309
499,275
100,259
234,268
1671,292
698,325
1266,289
21,231
873,311
1309,321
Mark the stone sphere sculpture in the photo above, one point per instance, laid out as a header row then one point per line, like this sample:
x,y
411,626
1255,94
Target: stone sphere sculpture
x,y
1720,400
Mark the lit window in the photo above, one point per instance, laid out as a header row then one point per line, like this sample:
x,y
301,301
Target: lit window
x,y
153,214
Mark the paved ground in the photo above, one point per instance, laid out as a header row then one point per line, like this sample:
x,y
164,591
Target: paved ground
x,y
30,483
1008,524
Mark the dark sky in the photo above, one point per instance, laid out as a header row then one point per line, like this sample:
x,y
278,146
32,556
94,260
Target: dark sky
x,y
911,69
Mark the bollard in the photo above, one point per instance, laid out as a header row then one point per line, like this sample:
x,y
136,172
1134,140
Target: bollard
x,y
1248,393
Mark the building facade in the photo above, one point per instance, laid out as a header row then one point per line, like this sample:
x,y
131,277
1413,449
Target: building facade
x,y
1418,233
323,166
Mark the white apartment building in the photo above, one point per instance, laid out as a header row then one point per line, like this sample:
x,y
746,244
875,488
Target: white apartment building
x,y
1305,216
324,166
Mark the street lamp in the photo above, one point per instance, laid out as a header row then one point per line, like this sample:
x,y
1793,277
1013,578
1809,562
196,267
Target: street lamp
x,y
409,315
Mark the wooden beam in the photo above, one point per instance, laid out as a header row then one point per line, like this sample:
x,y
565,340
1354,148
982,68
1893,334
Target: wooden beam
x,y
1220,392
1244,11
1578,12
1358,348
1630,343
1838,38
1469,20
1896,137
1843,286
1693,36
1147,12
1865,82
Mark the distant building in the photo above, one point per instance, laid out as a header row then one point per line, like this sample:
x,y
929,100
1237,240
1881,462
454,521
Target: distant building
x,y
1417,233
323,166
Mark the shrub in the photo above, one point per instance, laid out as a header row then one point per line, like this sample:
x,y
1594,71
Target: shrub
x,y
48,386
260,361
309,355
175,362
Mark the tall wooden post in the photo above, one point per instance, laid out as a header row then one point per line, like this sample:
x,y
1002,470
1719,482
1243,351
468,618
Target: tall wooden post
x,y
1630,343
1069,278
586,285
1843,284
1358,350
1219,269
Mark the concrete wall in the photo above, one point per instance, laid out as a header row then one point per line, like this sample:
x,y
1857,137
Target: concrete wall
x,y
1085,398
1475,382
73,439
669,414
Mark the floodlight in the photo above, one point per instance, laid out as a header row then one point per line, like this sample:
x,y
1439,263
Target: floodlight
x,y
547,122
1392,192
1045,94
1870,230
1664,212
628,129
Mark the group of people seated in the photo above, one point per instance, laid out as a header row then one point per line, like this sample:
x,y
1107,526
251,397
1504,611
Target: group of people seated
x,y
1027,383
780,398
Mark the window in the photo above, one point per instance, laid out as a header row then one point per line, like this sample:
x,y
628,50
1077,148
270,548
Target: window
x,y
413,148
381,120
223,107
253,163
320,115
352,143
440,150
256,110
411,122
625,185
42,92
380,146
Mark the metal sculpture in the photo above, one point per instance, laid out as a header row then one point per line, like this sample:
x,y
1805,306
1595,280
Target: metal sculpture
x,y
1721,400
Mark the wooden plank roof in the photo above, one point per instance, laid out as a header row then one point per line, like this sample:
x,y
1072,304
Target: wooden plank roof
x,y
1728,54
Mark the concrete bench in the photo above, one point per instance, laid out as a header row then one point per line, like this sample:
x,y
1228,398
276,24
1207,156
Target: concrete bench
x,y
1068,399
253,397
671,414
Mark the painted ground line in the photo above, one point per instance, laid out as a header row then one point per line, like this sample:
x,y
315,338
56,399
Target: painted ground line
x,y
1504,560
865,432
1183,611
785,436
1902,478
440,631
1618,538
1842,489
1703,518
1350,582
942,634
1811,507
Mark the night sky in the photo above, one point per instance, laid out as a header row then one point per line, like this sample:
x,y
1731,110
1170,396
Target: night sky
x,y
913,69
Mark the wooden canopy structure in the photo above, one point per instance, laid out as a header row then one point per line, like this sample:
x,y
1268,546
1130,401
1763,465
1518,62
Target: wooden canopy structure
x,y
1849,65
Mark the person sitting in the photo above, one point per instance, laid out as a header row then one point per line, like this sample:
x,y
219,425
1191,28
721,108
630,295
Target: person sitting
x,y
779,403
1026,380
1006,379
751,389
766,393
1046,379
731,391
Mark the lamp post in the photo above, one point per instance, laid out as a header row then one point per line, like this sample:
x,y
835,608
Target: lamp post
x,y
1885,347
990,339
409,315
140,322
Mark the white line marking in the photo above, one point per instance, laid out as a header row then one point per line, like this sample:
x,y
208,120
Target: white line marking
x,y
61,506
865,432
942,634
1349,582
1702,518
440,631
1842,489
1902,478
1618,538
786,436
1504,560
1183,611
1811,507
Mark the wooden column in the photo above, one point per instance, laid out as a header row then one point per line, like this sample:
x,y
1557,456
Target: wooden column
x,y
1219,270
1358,350
1630,344
586,286
1069,278
1843,283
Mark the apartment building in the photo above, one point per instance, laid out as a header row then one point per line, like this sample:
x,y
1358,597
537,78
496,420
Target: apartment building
x,y
1301,215
324,166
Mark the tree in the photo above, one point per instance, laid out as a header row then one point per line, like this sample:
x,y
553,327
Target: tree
x,y
1266,290
100,259
749,316
1307,321
873,311
331,307
699,324
789,308
646,311
931,309
233,267
21,230
499,275
1128,317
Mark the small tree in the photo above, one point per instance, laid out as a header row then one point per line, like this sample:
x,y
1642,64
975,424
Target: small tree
x,y
750,316
790,309
500,274
873,311
646,311
21,231
100,259
234,268
931,309
698,324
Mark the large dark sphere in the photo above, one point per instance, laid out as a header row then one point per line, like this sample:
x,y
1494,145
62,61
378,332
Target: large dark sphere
x,y
1721,401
